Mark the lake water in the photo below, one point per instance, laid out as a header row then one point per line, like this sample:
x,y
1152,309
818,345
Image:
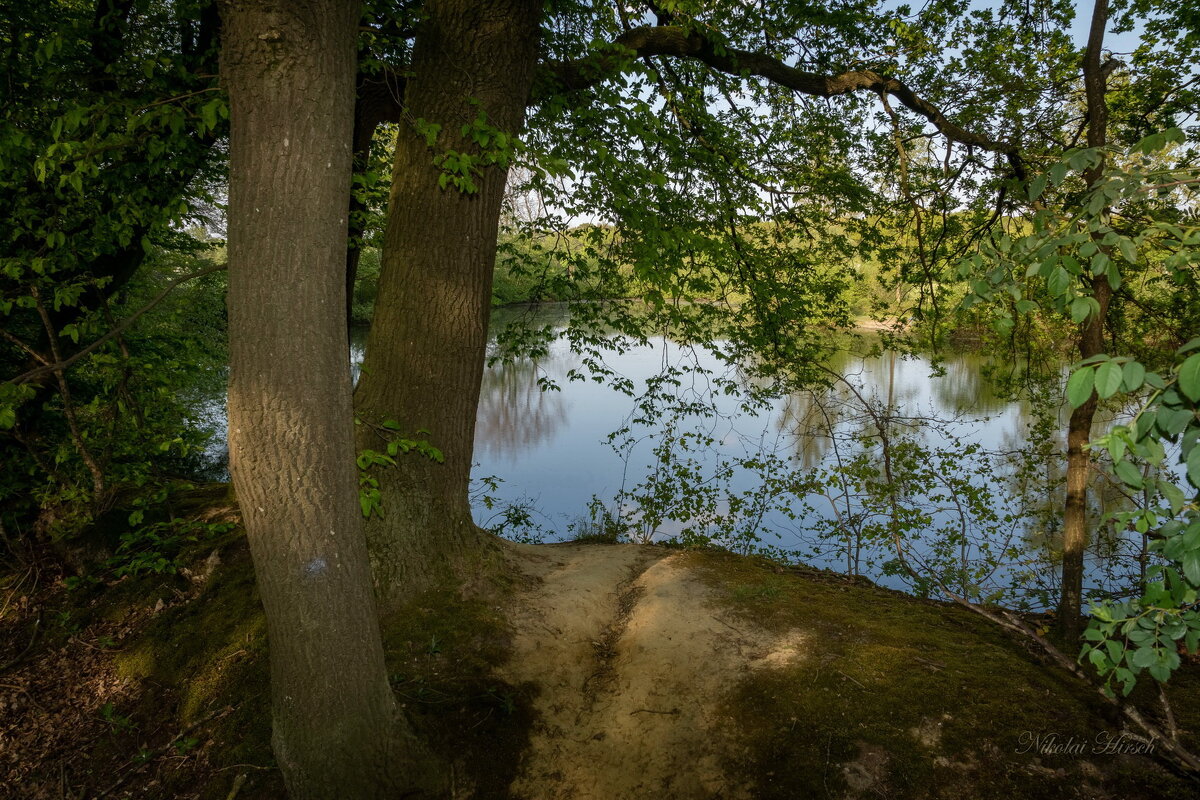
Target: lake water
x,y
798,478
733,477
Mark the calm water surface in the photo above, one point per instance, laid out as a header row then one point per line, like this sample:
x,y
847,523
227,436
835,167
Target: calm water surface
x,y
549,452
551,449
552,453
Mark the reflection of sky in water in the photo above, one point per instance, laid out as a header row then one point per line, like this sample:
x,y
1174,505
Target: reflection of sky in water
x,y
551,447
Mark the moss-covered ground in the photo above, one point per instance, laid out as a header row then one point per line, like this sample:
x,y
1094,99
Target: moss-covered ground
x,y
904,698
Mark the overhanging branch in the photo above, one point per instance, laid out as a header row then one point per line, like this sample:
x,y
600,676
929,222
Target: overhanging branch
x,y
676,41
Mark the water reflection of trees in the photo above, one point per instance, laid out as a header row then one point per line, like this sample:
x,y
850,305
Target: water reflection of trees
x,y
515,415
1007,543
814,415
965,386
1034,474
1016,538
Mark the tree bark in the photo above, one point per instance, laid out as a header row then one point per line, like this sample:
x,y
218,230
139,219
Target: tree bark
x,y
1091,343
289,69
425,352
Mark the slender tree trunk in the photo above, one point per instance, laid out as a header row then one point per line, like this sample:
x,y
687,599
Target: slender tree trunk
x,y
1091,342
425,353
370,110
289,69
357,228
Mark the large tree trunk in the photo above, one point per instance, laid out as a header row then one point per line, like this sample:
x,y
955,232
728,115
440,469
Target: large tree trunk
x,y
289,69
425,353
1091,343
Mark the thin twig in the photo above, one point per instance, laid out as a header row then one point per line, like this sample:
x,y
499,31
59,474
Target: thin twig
x,y
852,680
1168,713
179,97
40,358
64,391
237,786
25,377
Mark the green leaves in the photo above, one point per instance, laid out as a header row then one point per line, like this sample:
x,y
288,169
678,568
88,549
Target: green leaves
x,y
482,146
1173,495
1158,141
1191,564
1058,282
1128,473
1144,633
1108,379
1128,250
1189,377
1125,638
1133,375
1037,186
1058,172
1070,249
212,112
1080,386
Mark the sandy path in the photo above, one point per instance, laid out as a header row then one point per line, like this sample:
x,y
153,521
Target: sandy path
x,y
632,661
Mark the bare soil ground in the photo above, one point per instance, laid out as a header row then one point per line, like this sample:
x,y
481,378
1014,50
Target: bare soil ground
x,y
633,661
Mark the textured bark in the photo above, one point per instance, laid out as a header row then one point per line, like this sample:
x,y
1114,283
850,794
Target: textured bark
x,y
1091,343
289,69
425,353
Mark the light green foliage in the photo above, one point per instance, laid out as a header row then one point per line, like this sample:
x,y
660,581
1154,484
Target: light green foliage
x,y
370,499
156,547
670,164
1144,633
491,147
365,287
1052,259
140,402
1132,230
741,216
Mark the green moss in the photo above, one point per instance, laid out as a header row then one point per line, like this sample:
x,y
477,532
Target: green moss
x,y
443,650
199,657
904,698
207,653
